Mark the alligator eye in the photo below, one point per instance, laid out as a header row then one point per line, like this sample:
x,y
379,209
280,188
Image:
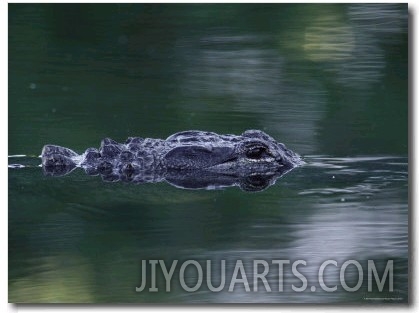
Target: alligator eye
x,y
256,153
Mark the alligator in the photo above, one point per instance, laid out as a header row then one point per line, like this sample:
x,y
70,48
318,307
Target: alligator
x,y
189,159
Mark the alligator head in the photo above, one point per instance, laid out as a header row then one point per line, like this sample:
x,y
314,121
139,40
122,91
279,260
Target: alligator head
x,y
252,152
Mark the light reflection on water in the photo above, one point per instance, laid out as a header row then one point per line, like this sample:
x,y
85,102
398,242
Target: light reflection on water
x,y
231,67
366,221
351,47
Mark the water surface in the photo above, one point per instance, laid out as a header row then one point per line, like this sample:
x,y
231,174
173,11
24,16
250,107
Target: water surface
x,y
329,81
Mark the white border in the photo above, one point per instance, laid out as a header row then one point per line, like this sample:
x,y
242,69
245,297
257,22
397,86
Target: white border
x,y
4,247
211,1
4,146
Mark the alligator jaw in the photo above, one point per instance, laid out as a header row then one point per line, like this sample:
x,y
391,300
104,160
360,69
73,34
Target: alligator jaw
x,y
198,157
266,166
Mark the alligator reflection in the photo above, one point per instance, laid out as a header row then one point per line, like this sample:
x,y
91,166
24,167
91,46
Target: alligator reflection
x,y
186,179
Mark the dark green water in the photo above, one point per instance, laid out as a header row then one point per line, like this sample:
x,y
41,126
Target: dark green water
x,y
330,81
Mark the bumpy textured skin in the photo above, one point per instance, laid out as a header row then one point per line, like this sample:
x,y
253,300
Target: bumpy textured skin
x,y
189,159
